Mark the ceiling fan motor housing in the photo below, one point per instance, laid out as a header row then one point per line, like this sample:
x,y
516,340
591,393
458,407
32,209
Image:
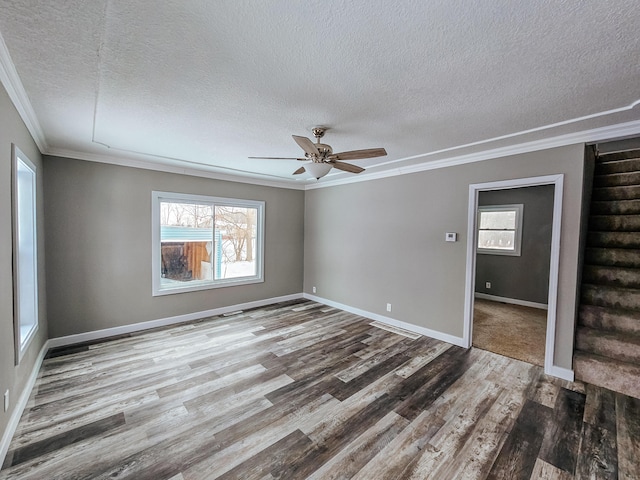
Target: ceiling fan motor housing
x,y
324,149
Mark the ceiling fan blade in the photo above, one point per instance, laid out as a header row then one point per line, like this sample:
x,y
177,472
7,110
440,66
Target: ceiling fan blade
x,y
281,158
299,171
357,154
306,144
347,167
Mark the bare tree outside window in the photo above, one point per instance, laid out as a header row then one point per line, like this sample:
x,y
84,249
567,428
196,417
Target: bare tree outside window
x,y
238,228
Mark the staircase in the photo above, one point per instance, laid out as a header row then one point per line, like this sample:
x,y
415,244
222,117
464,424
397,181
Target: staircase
x,y
607,351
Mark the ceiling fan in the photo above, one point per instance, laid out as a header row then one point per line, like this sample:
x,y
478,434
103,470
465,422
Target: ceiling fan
x,y
322,157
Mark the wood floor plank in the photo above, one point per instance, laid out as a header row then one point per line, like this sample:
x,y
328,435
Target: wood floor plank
x,y
600,408
628,429
237,450
372,360
435,386
562,439
56,442
403,450
485,441
598,454
544,391
519,453
544,471
445,446
420,360
330,438
256,467
300,390
360,451
343,390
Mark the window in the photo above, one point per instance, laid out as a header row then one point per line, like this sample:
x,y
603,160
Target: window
x,y
500,229
25,251
202,242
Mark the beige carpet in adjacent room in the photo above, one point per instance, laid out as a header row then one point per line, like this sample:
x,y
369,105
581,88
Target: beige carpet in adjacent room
x,y
510,330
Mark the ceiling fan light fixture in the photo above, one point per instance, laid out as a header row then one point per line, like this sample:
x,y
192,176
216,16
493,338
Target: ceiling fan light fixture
x,y
317,170
322,159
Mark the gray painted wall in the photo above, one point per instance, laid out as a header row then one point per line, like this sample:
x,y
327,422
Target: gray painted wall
x,y
382,241
13,130
99,245
524,277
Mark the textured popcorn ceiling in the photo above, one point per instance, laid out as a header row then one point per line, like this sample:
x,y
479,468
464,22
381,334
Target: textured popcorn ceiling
x,y
206,84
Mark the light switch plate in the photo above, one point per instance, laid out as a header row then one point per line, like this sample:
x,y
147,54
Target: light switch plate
x,y
451,237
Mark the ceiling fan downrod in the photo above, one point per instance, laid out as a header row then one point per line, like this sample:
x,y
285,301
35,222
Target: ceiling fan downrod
x,y
324,149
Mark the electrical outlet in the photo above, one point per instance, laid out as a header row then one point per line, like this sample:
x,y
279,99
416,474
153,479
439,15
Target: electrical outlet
x,y
6,400
487,285
388,307
314,289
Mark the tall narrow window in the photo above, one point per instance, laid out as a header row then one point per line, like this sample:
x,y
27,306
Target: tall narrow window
x,y
500,229
25,256
202,242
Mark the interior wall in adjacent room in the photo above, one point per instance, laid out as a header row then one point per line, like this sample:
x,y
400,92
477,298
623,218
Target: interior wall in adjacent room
x,y
525,276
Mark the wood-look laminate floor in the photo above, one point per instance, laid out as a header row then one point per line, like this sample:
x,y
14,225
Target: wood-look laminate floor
x,y
300,390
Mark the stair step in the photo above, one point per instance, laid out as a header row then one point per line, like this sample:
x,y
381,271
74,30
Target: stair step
x,y
614,223
619,346
610,297
614,257
616,207
614,239
612,276
605,372
616,193
610,157
616,179
614,320
617,166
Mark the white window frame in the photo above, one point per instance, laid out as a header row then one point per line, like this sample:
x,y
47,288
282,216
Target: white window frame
x,y
517,250
158,197
25,254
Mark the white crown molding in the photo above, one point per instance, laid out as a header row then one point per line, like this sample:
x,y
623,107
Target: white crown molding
x,y
159,167
550,126
18,95
585,136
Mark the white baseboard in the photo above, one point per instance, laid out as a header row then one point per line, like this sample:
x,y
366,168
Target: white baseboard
x,y
21,403
512,301
162,322
445,337
560,372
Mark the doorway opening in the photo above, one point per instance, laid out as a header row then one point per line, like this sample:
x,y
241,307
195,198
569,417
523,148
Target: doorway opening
x,y
513,251
488,297
512,330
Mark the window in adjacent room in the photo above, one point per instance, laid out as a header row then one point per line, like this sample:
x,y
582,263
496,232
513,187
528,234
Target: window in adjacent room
x,y
202,242
25,251
500,229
